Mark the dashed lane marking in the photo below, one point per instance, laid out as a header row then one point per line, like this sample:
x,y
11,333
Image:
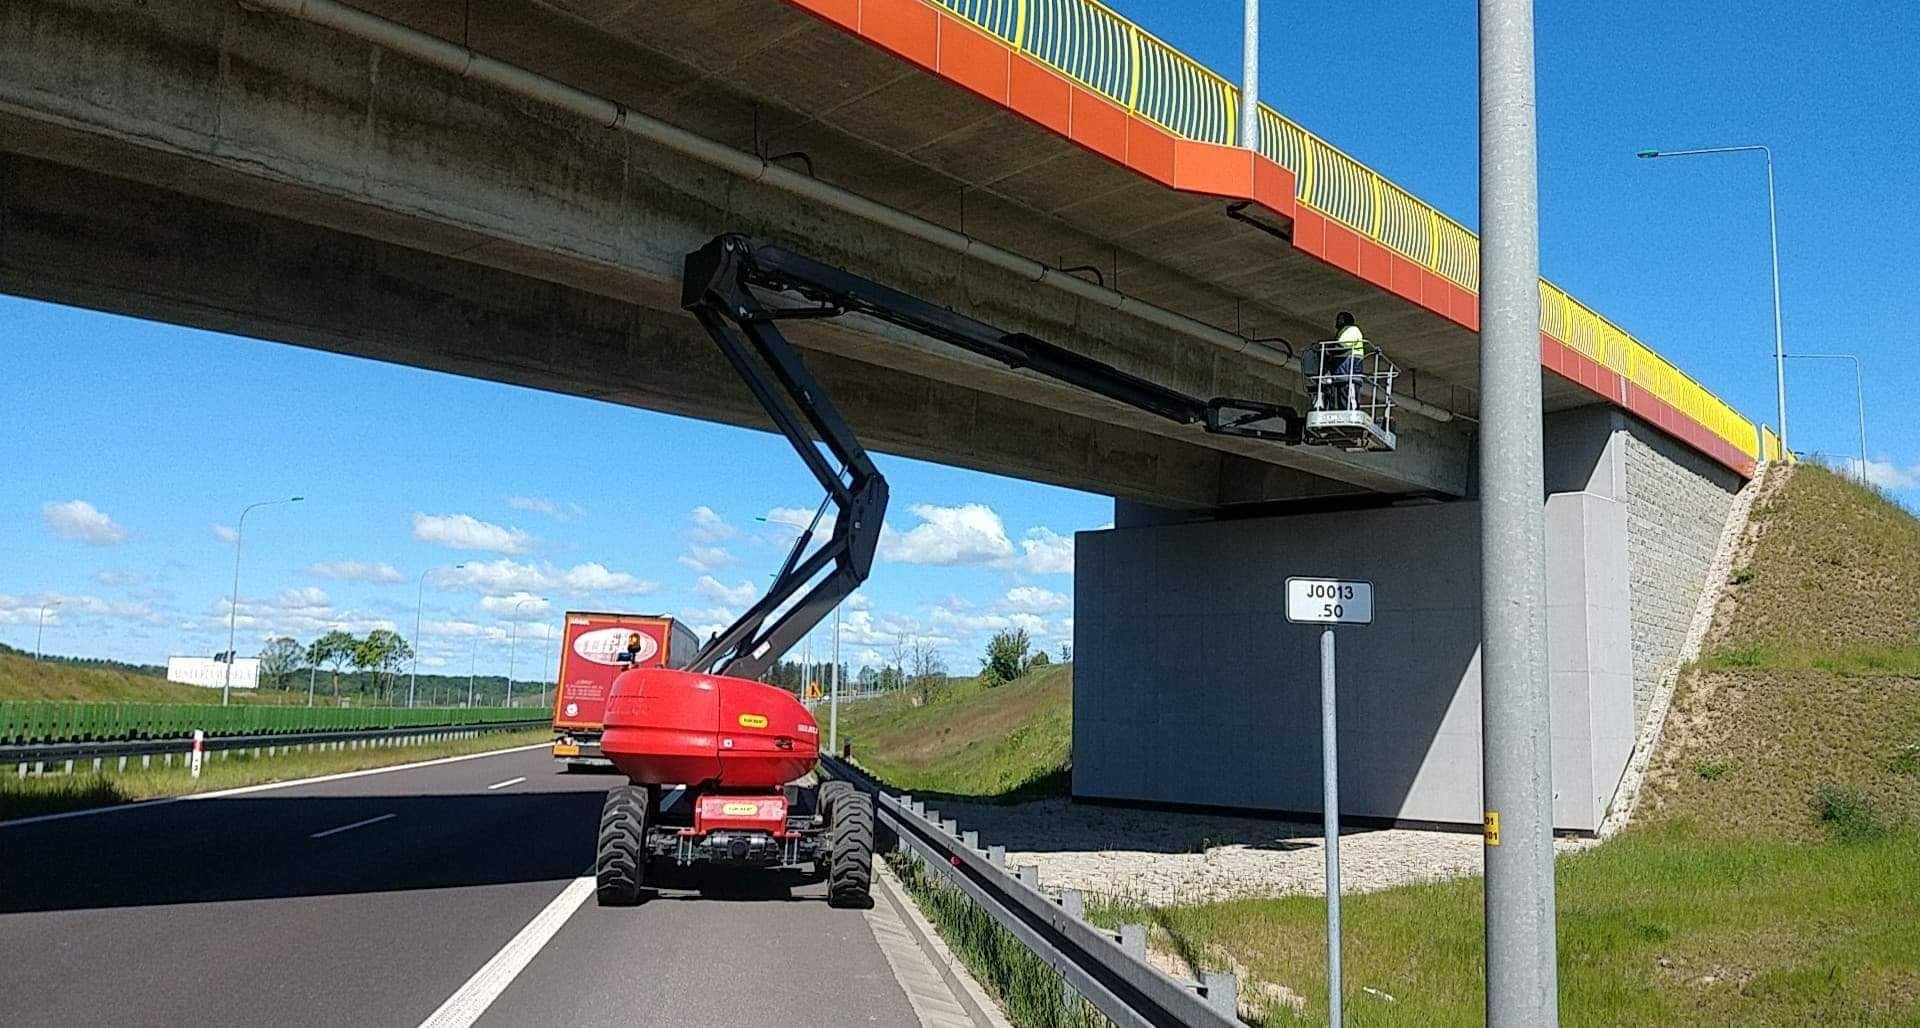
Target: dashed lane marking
x,y
510,781
465,1006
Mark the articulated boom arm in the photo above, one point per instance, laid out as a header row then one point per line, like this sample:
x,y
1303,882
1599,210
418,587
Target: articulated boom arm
x,y
718,288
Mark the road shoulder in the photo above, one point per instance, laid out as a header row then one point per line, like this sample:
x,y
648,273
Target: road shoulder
x,y
938,986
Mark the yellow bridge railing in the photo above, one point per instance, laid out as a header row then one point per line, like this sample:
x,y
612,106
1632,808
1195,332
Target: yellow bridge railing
x,y
1092,44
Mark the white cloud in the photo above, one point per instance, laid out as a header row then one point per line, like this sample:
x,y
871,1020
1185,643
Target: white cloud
x,y
497,577
706,558
594,577
1029,599
466,532
67,609
722,615
967,624
542,505
525,606
1888,475
356,571
225,533
82,522
711,588
306,600
709,527
1047,552
970,534
119,579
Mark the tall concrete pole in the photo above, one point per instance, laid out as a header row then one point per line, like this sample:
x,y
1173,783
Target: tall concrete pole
x,y
1859,396
419,594
41,632
1517,770
233,604
1250,78
833,704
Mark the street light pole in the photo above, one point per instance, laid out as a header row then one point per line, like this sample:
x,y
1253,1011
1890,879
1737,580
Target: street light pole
x,y
1522,986
546,661
42,630
233,604
513,643
1773,235
473,664
419,592
1859,396
833,705
1250,77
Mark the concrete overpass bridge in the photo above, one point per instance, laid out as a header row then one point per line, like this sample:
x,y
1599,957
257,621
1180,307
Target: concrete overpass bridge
x,y
505,190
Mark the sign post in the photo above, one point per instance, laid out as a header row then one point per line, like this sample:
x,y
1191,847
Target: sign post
x,y
1328,602
199,747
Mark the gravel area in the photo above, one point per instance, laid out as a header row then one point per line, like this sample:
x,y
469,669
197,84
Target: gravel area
x,y
1164,857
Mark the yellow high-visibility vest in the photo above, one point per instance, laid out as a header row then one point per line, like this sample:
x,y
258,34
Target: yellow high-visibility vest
x,y
1355,342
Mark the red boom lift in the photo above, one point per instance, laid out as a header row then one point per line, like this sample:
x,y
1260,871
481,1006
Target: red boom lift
x,y
712,756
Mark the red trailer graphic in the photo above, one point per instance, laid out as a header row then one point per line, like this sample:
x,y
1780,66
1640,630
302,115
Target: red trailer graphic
x,y
595,648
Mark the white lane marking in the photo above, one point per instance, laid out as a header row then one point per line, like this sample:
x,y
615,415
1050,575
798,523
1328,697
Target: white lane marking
x,y
244,789
351,827
465,1006
510,781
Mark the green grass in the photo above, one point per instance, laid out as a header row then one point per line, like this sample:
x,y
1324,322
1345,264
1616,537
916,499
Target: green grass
x,y
49,794
1007,742
23,678
1663,925
1027,989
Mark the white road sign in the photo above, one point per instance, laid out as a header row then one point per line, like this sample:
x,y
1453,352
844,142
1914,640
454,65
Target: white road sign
x,y
1329,601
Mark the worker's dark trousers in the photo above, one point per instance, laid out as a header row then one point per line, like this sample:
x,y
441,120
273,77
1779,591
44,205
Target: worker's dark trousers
x,y
1349,366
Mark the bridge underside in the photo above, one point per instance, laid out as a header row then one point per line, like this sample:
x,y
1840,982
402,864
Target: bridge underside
x,y
235,170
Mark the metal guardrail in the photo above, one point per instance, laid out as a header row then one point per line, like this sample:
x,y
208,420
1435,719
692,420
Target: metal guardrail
x,y
1108,969
29,721
1097,47
100,749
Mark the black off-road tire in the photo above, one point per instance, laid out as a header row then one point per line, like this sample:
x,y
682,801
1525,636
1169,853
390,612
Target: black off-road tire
x,y
850,864
829,790
620,862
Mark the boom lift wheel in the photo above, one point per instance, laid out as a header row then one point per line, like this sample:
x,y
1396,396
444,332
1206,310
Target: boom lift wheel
x,y
850,861
620,861
823,800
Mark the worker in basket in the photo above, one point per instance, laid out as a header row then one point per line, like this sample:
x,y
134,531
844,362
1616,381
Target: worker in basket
x,y
1346,358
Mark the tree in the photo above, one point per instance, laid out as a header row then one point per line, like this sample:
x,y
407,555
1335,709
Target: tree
x,y
1039,659
1006,657
927,669
280,658
1066,653
382,652
334,651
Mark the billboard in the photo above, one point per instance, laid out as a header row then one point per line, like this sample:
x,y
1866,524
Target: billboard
x,y
209,673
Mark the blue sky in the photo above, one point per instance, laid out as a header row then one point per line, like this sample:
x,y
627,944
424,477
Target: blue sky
x,y
124,463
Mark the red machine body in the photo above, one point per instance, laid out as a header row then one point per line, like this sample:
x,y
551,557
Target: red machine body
x,y
707,732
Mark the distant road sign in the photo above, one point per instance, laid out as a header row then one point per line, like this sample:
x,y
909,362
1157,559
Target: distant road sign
x,y
1329,601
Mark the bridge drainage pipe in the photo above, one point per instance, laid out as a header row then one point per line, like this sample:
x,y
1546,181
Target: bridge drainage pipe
x,y
469,64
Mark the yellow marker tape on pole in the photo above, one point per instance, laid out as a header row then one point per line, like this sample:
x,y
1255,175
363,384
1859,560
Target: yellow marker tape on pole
x,y
1493,828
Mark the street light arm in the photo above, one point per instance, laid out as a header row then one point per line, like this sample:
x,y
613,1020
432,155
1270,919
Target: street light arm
x,y
1706,150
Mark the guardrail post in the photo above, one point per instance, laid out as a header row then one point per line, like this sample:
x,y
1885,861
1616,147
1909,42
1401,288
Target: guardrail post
x,y
1133,940
997,855
1029,875
951,827
1073,903
1222,990
970,840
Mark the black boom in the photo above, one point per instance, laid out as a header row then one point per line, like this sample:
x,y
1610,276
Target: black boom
x,y
718,288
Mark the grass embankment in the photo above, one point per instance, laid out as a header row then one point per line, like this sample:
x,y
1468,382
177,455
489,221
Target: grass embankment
x,y
23,678
1773,874
1008,742
49,794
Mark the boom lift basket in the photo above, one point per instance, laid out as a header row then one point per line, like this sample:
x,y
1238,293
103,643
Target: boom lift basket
x,y
1352,402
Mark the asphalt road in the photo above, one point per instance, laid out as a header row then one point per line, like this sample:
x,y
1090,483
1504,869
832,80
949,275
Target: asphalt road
x,y
371,900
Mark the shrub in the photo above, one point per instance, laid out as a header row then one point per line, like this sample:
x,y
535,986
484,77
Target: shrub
x,y
1740,576
1848,813
1713,770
